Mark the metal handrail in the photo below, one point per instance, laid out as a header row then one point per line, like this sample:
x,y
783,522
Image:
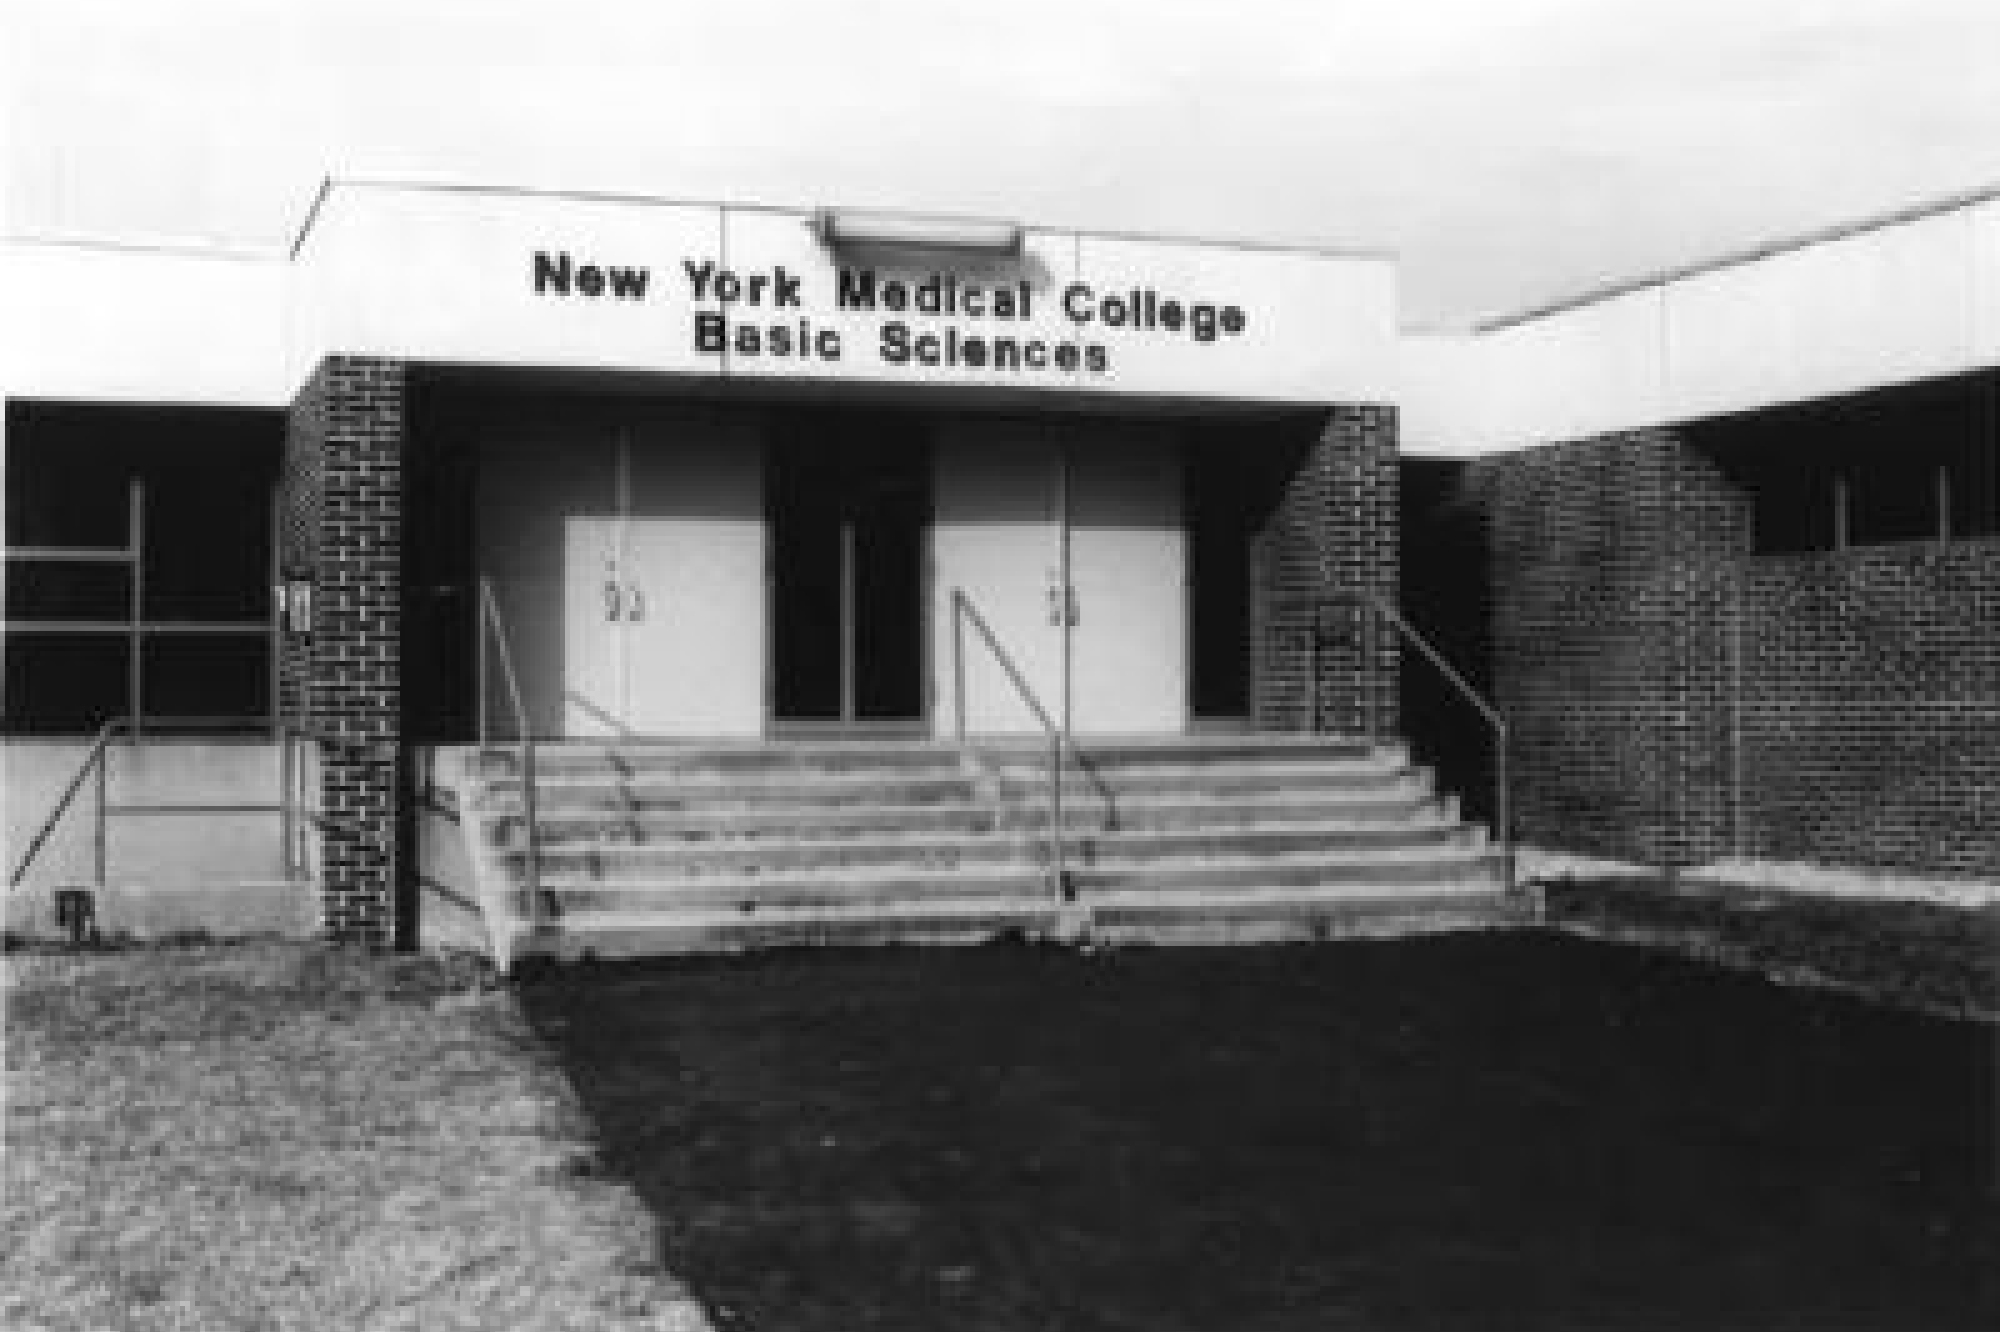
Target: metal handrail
x,y
92,761
490,620
1502,819
1059,738
96,760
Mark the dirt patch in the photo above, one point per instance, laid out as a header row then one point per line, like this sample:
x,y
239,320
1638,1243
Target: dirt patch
x,y
1934,956
297,1137
1483,1131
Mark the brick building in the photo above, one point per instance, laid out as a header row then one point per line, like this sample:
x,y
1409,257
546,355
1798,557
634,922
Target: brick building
x,y
1740,536
472,465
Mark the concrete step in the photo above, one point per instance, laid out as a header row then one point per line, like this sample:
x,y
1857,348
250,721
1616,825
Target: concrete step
x,y
1275,915
567,791
835,754
1407,868
1284,914
607,858
1144,766
892,884
615,822
1140,752
833,888
666,759
1413,867
707,826
1035,765
612,935
1223,779
717,846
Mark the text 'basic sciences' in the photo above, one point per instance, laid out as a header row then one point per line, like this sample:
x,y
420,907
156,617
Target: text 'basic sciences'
x,y
769,313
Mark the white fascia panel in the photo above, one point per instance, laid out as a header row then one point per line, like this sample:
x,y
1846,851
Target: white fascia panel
x,y
1985,284
1314,328
1573,374
115,324
1880,307
499,278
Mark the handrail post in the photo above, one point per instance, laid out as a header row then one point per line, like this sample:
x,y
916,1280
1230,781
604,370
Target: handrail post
x,y
479,678
1372,645
534,850
489,620
135,649
103,795
1311,726
958,663
1058,870
285,802
1503,815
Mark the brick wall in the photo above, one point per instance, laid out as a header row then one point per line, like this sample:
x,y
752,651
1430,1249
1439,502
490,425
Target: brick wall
x,y
1869,718
1333,527
1610,567
1675,699
342,505
301,483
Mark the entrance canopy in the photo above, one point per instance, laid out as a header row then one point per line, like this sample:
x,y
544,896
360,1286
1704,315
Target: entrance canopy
x,y
766,295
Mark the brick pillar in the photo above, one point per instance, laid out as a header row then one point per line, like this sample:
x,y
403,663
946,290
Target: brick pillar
x,y
343,496
1333,529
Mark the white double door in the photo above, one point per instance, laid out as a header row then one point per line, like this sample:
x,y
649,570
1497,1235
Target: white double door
x,y
663,602
628,557
1067,541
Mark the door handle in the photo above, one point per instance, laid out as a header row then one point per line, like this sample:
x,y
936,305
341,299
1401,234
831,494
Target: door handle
x,y
1072,606
613,600
635,604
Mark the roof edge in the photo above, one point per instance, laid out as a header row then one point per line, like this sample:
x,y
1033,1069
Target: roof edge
x,y
1732,259
180,248
330,183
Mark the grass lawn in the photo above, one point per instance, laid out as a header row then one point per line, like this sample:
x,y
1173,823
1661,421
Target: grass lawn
x,y
1497,1131
1932,956
282,1137
1510,1130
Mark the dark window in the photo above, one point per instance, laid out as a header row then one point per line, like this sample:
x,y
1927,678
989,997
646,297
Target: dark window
x,y
62,684
205,479
1910,463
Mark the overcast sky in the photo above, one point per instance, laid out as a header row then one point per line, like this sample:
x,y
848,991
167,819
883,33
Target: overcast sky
x,y
1512,151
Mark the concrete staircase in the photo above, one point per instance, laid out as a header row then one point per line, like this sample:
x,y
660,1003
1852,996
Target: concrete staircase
x,y
675,848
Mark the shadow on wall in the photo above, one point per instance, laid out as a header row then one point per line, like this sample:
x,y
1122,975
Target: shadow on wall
x,y
1447,596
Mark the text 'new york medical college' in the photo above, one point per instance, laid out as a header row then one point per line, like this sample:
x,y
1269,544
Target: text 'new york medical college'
x,y
939,319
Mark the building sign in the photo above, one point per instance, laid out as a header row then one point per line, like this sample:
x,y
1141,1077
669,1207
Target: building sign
x,y
938,319
486,277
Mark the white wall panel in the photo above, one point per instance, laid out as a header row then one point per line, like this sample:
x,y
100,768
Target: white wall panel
x,y
1881,307
1442,392
1316,328
1985,284
452,276
1580,372
763,242
436,274
1888,305
132,325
